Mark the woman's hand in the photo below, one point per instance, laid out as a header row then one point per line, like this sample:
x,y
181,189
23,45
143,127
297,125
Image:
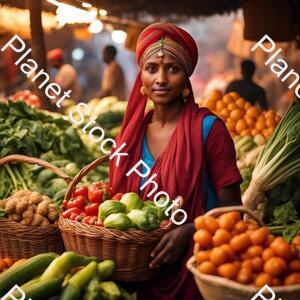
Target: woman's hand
x,y
172,245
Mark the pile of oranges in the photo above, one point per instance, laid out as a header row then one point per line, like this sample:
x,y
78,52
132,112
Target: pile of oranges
x,y
240,116
244,252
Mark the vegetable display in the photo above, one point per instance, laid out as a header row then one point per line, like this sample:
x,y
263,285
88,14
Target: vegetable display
x,y
65,277
30,208
244,252
48,136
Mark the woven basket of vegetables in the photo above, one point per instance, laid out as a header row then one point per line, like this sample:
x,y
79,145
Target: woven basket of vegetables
x,y
234,259
115,233
28,222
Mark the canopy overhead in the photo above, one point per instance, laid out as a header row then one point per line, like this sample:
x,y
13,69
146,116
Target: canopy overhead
x,y
163,9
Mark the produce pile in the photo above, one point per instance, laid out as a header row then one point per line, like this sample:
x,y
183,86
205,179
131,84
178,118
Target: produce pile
x,y
240,116
65,277
28,97
29,208
274,188
231,248
25,130
96,206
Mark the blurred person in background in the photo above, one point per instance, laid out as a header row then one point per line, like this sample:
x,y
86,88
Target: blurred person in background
x,y
66,76
113,81
247,88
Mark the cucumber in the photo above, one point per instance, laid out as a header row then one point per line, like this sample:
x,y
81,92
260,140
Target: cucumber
x,y
41,289
106,268
22,273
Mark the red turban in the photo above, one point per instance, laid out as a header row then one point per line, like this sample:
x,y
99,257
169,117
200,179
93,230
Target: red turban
x,y
55,54
175,41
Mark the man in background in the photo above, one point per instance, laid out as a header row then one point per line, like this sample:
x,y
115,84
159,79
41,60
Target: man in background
x,y
247,88
66,76
113,81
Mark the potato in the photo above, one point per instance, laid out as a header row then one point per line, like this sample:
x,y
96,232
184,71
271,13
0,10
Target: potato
x,y
35,198
10,206
16,217
21,206
37,220
28,212
43,208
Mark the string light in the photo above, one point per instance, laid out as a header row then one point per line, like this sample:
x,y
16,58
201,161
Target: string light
x,y
102,12
119,36
96,27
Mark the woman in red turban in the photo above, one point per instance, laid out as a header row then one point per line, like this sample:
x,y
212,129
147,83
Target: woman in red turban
x,y
188,148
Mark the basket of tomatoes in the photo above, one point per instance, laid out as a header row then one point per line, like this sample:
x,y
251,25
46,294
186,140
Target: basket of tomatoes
x,y
234,259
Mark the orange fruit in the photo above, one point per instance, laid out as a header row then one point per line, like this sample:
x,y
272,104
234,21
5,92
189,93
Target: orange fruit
x,y
236,114
203,237
220,105
250,122
253,112
270,114
202,256
234,95
263,279
254,132
277,119
245,132
240,126
270,122
232,106
228,99
210,104
275,266
260,125
228,270
216,94
266,133
208,267
240,102
247,105
225,113
230,125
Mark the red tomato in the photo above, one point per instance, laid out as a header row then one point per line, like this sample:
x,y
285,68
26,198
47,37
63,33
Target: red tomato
x,y
67,213
117,196
81,191
90,220
91,209
98,192
78,202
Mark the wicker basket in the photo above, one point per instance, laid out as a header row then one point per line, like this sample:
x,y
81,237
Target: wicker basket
x,y
218,288
129,249
21,241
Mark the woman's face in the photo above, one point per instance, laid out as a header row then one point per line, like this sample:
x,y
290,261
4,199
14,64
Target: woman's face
x,y
164,80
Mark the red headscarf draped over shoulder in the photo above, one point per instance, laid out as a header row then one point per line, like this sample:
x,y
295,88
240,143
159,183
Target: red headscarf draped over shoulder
x,y
180,168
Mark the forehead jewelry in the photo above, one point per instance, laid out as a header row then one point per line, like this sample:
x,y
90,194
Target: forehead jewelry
x,y
160,53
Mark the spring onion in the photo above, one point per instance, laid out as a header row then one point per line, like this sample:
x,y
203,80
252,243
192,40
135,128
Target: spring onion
x,y
279,160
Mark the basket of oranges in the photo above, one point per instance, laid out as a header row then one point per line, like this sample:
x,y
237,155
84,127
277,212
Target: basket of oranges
x,y
240,116
234,259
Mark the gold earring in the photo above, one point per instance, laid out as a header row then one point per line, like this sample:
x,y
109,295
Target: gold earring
x,y
185,93
143,90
